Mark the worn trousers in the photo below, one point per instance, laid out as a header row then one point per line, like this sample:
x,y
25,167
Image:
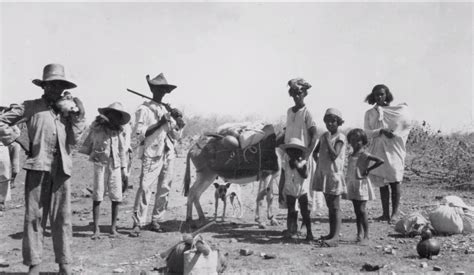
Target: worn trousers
x,y
47,194
159,171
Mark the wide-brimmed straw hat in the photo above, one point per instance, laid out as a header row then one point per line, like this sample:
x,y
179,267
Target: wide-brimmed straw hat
x,y
54,72
160,81
117,107
295,143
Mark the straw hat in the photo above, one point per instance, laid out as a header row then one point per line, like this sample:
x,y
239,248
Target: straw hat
x,y
117,107
160,81
54,72
295,143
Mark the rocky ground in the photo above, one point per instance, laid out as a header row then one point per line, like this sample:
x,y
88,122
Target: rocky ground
x,y
387,250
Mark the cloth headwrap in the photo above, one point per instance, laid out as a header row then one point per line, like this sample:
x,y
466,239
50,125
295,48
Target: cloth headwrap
x,y
299,83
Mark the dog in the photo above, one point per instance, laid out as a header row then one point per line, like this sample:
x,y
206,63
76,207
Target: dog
x,y
231,191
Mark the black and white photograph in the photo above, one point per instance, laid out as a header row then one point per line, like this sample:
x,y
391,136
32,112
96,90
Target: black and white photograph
x,y
236,137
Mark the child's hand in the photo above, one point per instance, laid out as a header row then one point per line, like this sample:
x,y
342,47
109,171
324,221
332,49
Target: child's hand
x,y
387,133
300,164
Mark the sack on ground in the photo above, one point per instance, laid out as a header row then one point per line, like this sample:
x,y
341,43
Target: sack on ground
x,y
196,262
411,224
446,219
468,221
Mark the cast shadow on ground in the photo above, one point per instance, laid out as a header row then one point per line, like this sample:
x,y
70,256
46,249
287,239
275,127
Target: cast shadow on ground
x,y
85,231
24,273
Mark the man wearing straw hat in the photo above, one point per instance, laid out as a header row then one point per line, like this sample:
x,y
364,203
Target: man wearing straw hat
x,y
52,134
157,128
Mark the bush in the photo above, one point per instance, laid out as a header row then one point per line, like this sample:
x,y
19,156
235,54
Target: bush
x,y
440,158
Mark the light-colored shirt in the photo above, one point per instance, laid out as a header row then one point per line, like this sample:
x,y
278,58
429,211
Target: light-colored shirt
x,y
298,125
47,132
149,114
325,163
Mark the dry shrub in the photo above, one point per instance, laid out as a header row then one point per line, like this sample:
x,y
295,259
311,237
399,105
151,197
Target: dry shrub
x,y
437,157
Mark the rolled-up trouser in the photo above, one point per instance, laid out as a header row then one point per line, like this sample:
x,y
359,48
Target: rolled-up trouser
x,y
47,193
106,176
158,170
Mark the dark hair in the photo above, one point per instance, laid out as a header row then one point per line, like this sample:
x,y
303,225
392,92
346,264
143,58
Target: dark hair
x,y
291,91
356,133
338,119
370,97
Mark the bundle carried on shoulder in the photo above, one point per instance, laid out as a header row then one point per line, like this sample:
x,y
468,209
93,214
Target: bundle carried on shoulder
x,y
241,150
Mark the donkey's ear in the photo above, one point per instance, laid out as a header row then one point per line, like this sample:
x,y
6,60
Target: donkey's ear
x,y
227,185
216,184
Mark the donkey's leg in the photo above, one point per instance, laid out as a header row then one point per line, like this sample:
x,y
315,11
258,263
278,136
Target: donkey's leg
x,y
206,180
193,195
262,192
270,215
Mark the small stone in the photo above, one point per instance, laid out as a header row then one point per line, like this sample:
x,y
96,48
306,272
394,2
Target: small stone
x,y
401,241
262,254
233,240
424,264
459,273
327,263
269,256
321,255
436,268
246,252
381,238
378,246
119,270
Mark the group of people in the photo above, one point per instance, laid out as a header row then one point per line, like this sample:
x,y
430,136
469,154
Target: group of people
x,y
308,164
54,125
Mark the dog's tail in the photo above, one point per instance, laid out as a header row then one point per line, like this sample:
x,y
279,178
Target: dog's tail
x,y
187,175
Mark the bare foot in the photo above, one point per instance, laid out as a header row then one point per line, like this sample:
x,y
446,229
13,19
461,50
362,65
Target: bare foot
x,y
96,235
64,269
395,217
274,222
135,231
113,232
382,218
34,269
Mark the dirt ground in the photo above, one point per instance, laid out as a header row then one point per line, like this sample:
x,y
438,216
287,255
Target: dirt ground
x,y
132,255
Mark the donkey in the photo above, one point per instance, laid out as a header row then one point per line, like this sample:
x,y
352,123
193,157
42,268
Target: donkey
x,y
205,176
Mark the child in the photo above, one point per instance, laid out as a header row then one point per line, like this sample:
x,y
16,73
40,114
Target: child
x,y
296,186
388,128
105,147
329,177
359,187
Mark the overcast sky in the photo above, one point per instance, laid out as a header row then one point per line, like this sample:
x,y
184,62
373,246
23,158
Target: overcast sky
x,y
236,58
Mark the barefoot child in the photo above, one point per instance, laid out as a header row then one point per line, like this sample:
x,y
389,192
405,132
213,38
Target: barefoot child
x,y
105,147
359,187
296,185
329,177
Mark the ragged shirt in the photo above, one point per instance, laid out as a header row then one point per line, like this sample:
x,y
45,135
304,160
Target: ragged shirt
x,y
103,146
49,133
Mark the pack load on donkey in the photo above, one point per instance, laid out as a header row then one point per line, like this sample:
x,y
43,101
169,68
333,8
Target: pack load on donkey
x,y
240,150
